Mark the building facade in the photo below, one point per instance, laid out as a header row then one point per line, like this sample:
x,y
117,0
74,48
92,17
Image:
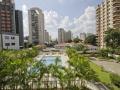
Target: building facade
x,y
61,35
83,36
107,16
36,26
7,25
68,36
19,27
7,16
10,41
46,36
64,36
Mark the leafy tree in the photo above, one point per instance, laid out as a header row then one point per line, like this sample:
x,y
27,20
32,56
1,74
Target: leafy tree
x,y
14,68
91,40
79,47
104,53
18,68
69,41
112,38
81,67
76,40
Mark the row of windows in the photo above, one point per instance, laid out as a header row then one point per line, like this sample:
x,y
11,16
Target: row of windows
x,y
7,37
8,44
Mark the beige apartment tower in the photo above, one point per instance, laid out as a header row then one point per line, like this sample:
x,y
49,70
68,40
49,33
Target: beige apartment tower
x,y
36,26
107,16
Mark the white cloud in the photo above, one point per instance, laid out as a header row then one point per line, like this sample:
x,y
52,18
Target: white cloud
x,y
84,23
60,1
53,21
25,20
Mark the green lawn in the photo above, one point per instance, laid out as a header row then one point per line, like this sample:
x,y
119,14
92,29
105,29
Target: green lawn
x,y
102,75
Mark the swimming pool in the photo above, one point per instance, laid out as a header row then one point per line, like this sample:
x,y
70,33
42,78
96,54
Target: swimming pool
x,y
51,59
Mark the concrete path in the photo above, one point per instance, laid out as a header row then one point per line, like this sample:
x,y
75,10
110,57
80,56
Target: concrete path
x,y
109,66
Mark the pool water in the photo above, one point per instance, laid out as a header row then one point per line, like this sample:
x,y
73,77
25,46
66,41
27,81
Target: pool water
x,y
50,59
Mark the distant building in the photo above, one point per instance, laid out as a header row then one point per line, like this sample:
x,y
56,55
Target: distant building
x,y
83,36
9,39
19,27
47,37
107,16
36,26
64,36
61,35
68,36
89,34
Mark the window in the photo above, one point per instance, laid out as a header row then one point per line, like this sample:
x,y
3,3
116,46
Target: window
x,y
6,37
13,44
7,44
12,37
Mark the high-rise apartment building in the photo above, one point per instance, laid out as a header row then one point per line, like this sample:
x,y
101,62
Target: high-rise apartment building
x,y
107,16
19,27
64,36
36,26
61,35
7,16
9,39
46,36
68,36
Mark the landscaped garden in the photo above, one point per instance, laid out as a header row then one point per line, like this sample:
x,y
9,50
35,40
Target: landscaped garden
x,y
20,70
105,77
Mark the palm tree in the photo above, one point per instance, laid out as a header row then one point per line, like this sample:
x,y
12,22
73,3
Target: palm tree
x,y
58,72
81,67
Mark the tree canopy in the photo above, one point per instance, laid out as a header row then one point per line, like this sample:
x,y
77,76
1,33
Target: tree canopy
x,y
76,40
91,40
112,38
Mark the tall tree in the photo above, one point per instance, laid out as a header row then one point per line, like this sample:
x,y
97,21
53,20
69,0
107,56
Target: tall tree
x,y
112,38
76,40
91,40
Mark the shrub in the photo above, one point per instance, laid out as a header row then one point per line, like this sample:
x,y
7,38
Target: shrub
x,y
103,53
118,59
110,86
115,79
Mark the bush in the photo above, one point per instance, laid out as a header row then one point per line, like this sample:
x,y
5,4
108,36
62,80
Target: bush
x,y
110,86
118,59
115,79
103,53
107,53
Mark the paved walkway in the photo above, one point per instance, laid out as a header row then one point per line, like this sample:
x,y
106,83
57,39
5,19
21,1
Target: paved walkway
x,y
109,66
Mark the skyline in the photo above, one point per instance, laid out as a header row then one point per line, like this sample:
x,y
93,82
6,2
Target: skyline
x,y
63,14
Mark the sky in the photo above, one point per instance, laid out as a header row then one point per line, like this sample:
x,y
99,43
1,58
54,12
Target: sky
x,y
75,15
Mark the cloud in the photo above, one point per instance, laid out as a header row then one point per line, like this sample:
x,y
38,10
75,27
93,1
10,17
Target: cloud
x,y
84,23
60,1
25,20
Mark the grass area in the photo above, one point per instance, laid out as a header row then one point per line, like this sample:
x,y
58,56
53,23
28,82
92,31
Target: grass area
x,y
102,75
116,88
